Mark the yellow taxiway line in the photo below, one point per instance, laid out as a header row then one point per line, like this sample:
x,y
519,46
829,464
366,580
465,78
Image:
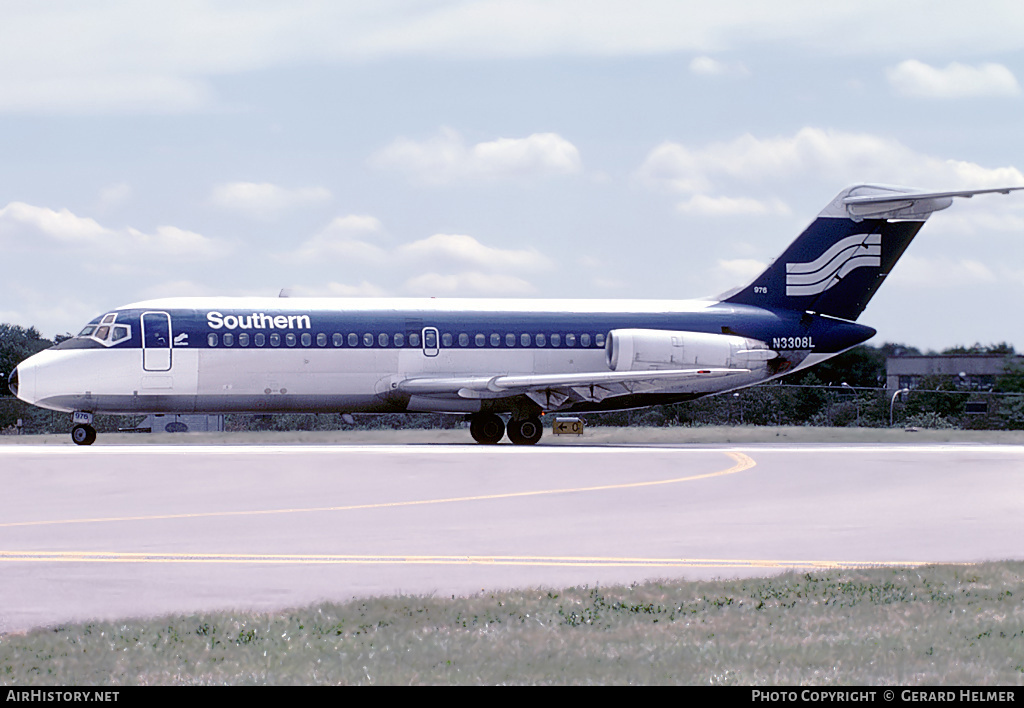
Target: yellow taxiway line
x,y
341,559
743,462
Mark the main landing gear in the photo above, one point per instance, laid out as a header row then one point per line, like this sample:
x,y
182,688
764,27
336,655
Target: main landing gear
x,y
83,433
489,428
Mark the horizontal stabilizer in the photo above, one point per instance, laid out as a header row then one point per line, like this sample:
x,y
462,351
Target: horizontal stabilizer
x,y
900,203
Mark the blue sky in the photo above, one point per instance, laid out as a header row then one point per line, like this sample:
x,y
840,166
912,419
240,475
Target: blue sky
x,y
648,149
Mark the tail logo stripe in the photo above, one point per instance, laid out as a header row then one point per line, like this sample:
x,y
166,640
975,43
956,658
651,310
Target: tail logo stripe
x,y
835,250
854,254
845,256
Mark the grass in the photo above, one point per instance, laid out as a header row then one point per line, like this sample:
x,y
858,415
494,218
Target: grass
x,y
935,625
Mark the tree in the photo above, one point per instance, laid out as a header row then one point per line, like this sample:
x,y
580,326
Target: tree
x,y
1004,348
18,344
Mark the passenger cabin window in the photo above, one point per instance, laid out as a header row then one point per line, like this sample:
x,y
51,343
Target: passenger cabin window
x,y
275,339
570,340
510,340
229,339
211,339
289,339
556,340
414,339
599,340
524,339
243,340
307,339
337,340
353,339
584,340
399,340
463,339
260,339
540,340
321,340
480,340
382,339
367,340
495,339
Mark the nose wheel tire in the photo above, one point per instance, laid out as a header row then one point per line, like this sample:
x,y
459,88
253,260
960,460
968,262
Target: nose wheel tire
x,y
525,432
487,429
83,434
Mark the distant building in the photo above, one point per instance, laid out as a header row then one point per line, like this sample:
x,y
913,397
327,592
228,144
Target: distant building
x,y
971,372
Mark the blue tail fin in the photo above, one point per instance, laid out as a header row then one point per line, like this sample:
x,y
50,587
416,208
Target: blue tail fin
x,y
842,258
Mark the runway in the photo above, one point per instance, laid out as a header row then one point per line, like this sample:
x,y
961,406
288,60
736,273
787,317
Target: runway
x,y
121,531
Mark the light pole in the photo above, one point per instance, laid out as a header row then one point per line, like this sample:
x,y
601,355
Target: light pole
x,y
856,400
892,404
736,397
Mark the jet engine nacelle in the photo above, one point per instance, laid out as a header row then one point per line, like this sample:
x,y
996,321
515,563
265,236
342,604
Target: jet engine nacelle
x,y
653,349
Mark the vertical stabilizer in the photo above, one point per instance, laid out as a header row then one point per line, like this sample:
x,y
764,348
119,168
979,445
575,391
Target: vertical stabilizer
x,y
835,266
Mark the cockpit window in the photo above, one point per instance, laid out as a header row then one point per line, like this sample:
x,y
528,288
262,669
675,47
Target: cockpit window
x,y
106,332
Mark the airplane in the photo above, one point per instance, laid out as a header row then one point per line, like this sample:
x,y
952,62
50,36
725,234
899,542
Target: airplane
x,y
486,358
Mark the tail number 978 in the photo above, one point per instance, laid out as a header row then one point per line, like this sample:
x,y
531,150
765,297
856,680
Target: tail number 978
x,y
793,343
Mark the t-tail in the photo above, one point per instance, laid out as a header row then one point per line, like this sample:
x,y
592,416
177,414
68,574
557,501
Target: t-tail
x,y
842,258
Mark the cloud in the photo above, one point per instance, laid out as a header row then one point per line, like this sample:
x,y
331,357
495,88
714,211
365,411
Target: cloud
x,y
444,264
469,283
111,56
741,270
346,238
919,80
25,227
727,276
114,195
264,200
707,66
446,158
178,288
748,162
467,251
728,206
60,226
940,273
363,289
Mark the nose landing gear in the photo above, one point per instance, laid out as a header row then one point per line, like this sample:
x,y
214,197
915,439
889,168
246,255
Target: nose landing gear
x,y
82,433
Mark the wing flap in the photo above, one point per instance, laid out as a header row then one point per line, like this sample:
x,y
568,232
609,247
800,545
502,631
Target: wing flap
x,y
603,382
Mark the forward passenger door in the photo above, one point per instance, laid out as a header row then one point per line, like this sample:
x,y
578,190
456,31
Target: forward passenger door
x,y
156,341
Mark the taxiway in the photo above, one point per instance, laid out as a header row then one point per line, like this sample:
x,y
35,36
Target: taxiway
x,y
121,531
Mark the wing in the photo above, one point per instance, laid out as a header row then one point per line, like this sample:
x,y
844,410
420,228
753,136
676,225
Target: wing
x,y
552,390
